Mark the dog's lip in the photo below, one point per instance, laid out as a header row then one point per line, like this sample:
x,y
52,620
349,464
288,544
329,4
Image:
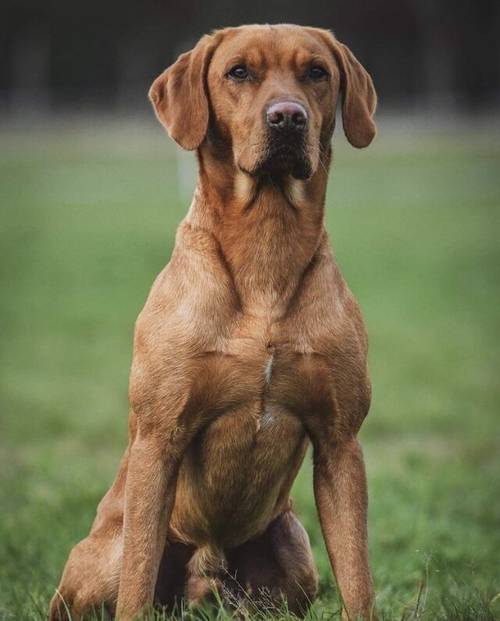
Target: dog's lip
x,y
286,158
281,157
284,153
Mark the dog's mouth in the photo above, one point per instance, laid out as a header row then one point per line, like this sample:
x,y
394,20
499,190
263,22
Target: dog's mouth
x,y
285,159
282,156
286,156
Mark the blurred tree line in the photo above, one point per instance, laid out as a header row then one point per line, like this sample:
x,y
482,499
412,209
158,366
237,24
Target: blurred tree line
x,y
423,54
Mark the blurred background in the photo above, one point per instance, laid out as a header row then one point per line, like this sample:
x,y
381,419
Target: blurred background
x,y
91,193
422,54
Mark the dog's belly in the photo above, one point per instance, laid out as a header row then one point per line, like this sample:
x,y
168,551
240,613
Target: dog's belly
x,y
237,474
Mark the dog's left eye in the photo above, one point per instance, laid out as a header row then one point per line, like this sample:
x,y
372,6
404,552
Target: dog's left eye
x,y
238,73
317,72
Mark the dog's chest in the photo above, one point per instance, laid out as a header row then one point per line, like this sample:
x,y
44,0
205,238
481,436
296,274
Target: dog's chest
x,y
239,465
273,373
259,391
255,412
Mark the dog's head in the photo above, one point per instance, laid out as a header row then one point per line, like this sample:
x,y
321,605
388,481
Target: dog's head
x,y
266,97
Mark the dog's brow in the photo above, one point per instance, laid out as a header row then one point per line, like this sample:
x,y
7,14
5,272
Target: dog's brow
x,y
249,53
305,55
237,59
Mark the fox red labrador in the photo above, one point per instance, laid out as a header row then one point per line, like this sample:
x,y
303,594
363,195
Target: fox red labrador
x,y
249,347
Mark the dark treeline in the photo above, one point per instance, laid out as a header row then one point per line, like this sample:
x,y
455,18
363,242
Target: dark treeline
x,y
422,53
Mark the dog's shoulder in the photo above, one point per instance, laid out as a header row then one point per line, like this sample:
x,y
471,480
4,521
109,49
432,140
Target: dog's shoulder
x,y
325,316
190,306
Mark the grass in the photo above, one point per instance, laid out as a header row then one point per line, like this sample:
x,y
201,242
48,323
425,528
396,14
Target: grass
x,y
89,213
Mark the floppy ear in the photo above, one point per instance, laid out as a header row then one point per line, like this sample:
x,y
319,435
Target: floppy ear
x,y
359,98
179,95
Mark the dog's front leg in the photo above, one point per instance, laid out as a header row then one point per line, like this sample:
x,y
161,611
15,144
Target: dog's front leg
x,y
341,498
150,494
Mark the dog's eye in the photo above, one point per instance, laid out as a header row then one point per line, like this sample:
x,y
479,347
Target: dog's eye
x,y
238,73
317,72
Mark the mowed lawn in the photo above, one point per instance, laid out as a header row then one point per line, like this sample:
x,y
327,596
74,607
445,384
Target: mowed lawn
x,y
88,217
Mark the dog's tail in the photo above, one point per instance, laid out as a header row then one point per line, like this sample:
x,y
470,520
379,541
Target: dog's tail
x,y
206,570
208,559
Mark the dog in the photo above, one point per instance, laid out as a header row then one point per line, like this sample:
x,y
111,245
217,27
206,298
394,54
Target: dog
x,y
250,347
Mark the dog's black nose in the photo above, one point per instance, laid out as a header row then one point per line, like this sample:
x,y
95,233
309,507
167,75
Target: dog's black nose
x,y
286,115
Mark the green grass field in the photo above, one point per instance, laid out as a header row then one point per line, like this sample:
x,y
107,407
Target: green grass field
x,y
88,215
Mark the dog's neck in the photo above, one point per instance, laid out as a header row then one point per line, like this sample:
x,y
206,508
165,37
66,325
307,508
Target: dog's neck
x,y
268,230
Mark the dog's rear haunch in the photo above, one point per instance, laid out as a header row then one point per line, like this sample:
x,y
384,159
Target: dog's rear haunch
x,y
249,347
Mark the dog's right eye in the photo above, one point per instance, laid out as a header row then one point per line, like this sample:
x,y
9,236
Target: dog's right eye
x,y
238,73
317,73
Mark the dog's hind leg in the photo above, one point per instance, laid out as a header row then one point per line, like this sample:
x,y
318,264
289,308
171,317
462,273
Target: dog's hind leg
x,y
90,579
277,567
91,576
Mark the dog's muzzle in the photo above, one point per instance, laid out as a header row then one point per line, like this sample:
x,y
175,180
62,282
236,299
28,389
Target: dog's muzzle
x,y
287,124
